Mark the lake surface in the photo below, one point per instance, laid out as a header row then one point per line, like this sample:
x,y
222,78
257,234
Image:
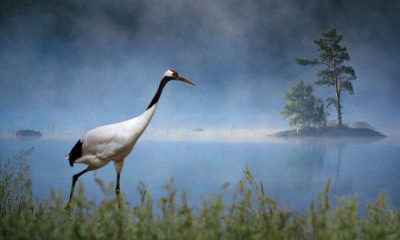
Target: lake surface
x,y
293,172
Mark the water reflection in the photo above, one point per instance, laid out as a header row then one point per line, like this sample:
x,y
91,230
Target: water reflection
x,y
294,172
339,148
305,163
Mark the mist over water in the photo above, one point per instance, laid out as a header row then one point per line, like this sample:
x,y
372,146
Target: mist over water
x,y
75,65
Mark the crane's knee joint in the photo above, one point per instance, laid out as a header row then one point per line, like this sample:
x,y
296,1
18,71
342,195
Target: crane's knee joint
x,y
75,177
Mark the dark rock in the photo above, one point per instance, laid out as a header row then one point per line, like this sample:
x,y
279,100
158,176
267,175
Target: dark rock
x,y
362,125
28,134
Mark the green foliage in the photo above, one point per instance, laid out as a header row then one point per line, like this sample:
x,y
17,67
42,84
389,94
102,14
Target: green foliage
x,y
303,108
16,186
332,57
251,215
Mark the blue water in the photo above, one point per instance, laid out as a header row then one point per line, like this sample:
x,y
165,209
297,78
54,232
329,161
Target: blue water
x,y
292,172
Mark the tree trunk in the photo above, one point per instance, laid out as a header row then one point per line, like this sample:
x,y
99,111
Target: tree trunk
x,y
338,103
337,88
339,108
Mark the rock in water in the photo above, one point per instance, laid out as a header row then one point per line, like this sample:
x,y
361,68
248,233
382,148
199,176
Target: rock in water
x,y
364,125
28,134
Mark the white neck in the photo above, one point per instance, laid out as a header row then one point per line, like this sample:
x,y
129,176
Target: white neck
x,y
137,125
148,114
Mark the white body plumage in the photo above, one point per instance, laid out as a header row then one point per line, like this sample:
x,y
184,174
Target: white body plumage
x,y
113,142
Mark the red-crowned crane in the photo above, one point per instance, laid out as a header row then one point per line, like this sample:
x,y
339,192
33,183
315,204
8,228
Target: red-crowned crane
x,y
114,142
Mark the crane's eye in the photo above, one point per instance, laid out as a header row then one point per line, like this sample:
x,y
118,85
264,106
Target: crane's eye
x,y
175,74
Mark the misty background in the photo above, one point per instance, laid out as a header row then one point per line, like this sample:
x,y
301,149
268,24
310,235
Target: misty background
x,y
74,64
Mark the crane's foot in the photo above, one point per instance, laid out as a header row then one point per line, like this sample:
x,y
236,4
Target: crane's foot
x,y
68,206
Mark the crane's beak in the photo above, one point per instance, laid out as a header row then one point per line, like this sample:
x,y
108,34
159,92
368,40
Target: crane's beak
x,y
185,80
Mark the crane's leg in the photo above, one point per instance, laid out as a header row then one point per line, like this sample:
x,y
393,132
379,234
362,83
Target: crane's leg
x,y
74,179
118,168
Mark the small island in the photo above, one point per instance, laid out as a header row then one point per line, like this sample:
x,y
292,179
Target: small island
x,y
310,114
331,132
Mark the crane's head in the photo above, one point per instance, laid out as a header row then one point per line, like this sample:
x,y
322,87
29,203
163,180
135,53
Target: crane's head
x,y
172,74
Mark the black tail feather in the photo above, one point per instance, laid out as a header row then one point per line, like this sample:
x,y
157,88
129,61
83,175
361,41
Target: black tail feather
x,y
76,152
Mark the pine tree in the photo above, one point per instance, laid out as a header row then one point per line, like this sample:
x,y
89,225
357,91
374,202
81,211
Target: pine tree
x,y
334,73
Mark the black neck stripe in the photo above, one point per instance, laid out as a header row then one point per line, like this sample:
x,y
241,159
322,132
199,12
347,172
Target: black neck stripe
x,y
156,97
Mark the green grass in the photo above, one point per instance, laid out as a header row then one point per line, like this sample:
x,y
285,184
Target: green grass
x,y
250,215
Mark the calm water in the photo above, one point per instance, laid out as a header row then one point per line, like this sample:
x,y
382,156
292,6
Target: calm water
x,y
292,172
